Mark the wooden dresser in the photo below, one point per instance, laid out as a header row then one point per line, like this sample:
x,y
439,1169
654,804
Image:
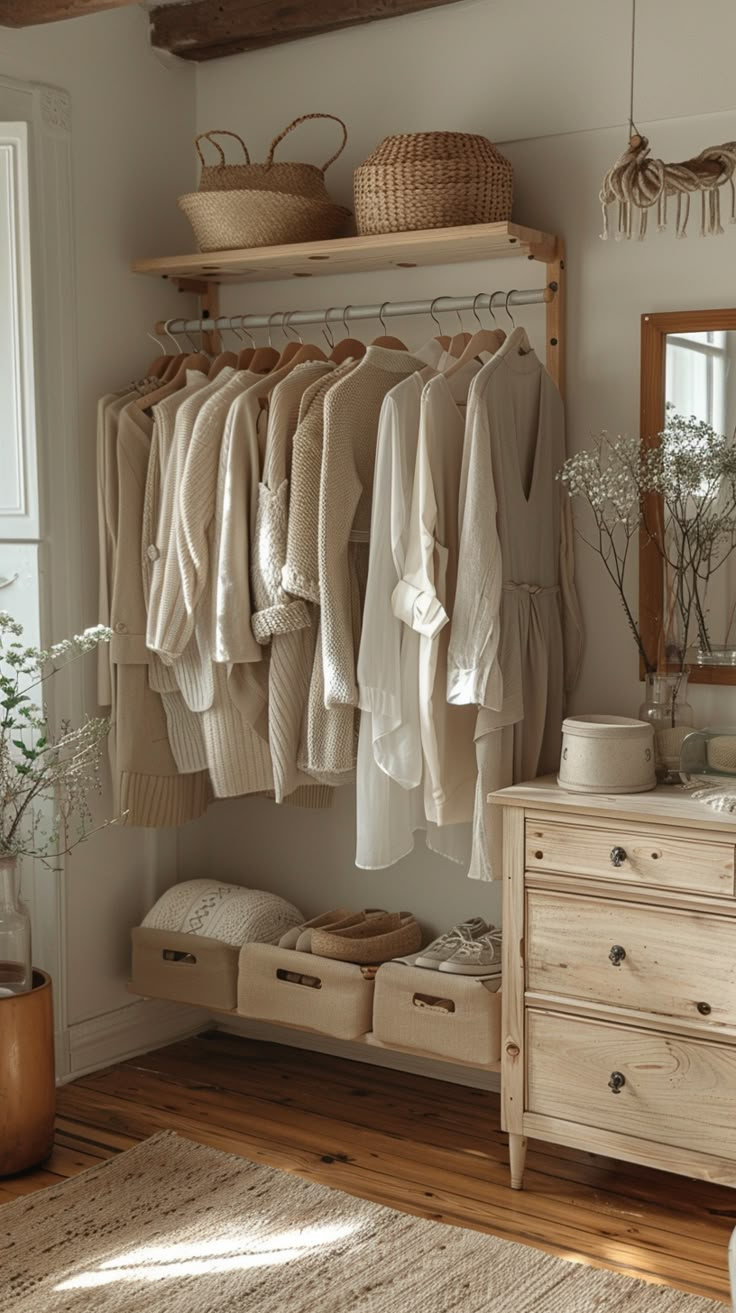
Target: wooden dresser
x,y
619,987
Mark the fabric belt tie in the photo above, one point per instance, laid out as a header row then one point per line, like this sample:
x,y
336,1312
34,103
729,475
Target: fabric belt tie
x,y
536,590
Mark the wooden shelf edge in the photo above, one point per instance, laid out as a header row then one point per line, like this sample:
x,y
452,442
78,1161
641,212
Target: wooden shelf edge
x,y
367,1039
383,251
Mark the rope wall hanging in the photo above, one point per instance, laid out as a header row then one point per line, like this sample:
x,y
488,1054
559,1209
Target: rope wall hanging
x,y
637,181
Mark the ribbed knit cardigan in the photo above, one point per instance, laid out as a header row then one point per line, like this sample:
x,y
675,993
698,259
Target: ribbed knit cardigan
x,y
151,792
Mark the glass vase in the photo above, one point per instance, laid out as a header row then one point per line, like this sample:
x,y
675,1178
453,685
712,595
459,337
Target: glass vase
x,y
667,710
16,971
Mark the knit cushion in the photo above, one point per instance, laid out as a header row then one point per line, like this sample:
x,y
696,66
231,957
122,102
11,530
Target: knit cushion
x,y
223,911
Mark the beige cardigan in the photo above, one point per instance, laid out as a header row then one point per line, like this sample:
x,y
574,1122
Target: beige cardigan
x,y
150,790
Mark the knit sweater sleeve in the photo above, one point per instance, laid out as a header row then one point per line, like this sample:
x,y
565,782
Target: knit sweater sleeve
x,y
236,502
415,598
300,574
340,490
275,611
473,671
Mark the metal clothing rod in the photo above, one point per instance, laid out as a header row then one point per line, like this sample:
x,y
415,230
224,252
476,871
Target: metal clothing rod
x,y
338,315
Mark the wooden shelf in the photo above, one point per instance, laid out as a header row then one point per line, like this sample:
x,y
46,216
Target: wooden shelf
x,y
437,246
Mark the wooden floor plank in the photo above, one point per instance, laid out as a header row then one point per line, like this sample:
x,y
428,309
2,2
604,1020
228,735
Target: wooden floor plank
x,y
427,1147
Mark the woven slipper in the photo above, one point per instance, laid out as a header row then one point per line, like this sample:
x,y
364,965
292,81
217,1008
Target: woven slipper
x,y
336,916
353,919
371,941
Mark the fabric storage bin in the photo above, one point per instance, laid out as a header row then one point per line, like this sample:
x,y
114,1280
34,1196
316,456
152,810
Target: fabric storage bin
x,y
184,967
447,1016
302,989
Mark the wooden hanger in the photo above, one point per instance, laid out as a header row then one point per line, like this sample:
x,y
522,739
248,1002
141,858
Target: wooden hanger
x,y
442,339
520,336
307,351
161,361
348,348
265,358
196,361
387,342
485,339
221,362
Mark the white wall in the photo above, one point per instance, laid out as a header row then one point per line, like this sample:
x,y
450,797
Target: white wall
x,y
549,83
132,124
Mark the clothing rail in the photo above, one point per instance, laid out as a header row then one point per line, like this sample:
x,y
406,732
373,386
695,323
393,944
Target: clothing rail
x,y
338,315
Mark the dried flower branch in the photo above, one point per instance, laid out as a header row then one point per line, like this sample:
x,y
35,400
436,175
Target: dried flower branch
x,y
36,765
692,473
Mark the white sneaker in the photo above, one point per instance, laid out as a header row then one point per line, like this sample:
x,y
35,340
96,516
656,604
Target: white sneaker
x,y
445,947
476,957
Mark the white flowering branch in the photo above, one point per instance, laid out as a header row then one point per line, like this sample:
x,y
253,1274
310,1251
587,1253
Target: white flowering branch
x,y
36,765
689,476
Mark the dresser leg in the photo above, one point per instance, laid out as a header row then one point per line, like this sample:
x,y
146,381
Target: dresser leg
x,y
517,1157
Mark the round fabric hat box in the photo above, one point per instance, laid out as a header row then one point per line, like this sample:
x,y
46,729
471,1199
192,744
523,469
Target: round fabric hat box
x,y
606,754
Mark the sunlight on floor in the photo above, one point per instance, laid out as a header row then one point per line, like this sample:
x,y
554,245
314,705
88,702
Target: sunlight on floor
x,y
230,1254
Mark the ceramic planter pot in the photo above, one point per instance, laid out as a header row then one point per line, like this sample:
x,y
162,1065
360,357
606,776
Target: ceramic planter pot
x,y
27,1083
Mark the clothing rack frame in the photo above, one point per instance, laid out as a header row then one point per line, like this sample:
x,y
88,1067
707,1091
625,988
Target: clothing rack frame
x,y
203,275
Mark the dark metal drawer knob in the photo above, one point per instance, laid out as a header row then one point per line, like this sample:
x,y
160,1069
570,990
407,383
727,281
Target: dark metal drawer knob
x,y
617,1081
704,1009
618,856
617,955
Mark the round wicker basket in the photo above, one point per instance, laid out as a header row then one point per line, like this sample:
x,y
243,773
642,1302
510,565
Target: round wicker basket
x,y
237,220
296,179
432,180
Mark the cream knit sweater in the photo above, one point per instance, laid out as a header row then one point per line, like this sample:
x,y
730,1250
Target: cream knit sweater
x,y
280,620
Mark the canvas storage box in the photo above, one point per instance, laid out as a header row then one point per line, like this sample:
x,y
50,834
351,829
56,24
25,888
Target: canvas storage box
x,y
606,754
184,967
448,1016
301,989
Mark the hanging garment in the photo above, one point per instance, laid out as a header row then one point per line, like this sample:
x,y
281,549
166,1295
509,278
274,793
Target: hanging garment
x,y
425,596
516,635
150,790
235,726
300,578
282,621
184,728
390,799
351,411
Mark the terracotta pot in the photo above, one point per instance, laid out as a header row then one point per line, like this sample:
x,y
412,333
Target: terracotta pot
x,y
27,1084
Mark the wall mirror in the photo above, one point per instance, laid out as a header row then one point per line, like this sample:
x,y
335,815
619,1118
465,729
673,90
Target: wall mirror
x,y
688,369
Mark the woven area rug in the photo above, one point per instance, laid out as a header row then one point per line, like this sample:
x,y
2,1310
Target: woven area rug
x,y
174,1227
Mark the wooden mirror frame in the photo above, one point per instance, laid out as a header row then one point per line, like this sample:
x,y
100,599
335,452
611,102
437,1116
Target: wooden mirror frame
x,y
654,332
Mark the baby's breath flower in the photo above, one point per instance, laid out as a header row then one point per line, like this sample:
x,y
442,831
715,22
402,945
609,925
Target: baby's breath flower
x,y
37,765
691,471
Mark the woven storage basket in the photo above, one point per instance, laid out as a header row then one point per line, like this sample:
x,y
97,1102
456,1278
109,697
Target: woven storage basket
x,y
432,180
295,179
233,220
453,1017
298,989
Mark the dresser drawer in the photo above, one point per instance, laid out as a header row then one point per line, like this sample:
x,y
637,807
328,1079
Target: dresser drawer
x,y
646,857
674,1091
682,964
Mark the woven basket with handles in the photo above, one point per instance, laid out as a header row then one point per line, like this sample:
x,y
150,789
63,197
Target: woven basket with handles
x,y
282,176
240,220
432,180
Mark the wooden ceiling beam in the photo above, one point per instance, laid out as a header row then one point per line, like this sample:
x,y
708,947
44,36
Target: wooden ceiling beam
x,y
29,13
209,29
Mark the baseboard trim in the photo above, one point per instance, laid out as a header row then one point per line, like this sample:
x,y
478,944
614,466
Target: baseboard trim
x,y
338,1048
137,1028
